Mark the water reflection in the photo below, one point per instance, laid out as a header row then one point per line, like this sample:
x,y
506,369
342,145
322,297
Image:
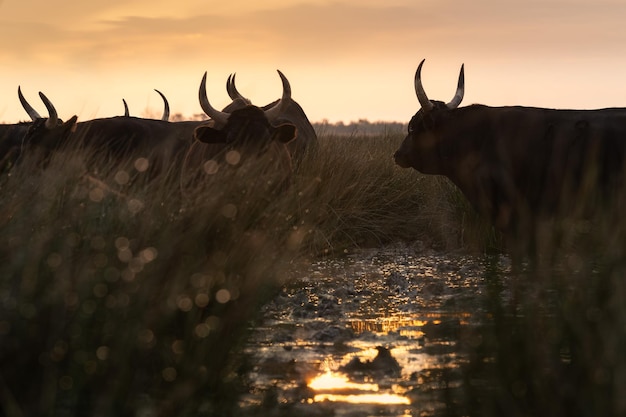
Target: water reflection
x,y
376,329
331,381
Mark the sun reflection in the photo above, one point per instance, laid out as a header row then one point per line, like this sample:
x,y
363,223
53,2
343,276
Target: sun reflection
x,y
388,399
330,381
336,387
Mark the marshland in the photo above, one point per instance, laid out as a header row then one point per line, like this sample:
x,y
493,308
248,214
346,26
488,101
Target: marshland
x,y
124,294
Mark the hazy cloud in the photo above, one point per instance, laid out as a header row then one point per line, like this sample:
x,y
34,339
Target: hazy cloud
x,y
333,29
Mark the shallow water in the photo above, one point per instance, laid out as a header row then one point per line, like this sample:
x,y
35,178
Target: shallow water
x,y
379,332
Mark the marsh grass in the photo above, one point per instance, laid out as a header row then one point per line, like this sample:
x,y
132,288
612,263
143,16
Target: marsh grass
x,y
129,292
125,292
553,338
356,195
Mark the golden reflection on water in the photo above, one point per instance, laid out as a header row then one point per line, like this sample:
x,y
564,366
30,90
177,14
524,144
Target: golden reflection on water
x,y
336,387
406,326
334,381
385,325
387,399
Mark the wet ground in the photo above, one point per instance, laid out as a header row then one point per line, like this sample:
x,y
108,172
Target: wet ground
x,y
379,332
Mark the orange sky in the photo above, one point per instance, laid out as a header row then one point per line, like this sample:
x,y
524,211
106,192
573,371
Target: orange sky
x,y
345,59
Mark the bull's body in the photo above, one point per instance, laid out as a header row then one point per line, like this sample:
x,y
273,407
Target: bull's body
x,y
11,139
294,114
518,165
116,137
123,135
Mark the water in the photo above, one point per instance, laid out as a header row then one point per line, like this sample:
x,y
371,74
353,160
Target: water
x,y
379,332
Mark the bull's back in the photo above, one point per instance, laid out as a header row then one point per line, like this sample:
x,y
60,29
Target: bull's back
x,y
567,154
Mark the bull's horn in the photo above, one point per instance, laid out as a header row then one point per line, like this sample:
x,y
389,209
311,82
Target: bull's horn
x,y
460,90
53,118
126,112
166,108
229,88
273,113
419,89
29,109
233,93
213,113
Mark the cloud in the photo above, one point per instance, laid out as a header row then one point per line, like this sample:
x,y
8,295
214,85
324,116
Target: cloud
x,y
314,31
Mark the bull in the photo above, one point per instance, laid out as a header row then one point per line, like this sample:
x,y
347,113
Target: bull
x,y
250,132
291,112
112,138
517,165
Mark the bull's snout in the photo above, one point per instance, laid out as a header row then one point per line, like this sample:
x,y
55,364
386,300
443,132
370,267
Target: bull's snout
x,y
400,159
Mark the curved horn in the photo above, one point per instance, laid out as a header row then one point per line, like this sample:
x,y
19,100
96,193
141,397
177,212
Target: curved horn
x,y
126,113
229,88
29,109
282,104
460,90
53,118
233,93
419,89
166,108
218,116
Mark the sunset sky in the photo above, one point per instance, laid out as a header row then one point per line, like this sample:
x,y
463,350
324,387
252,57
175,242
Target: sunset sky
x,y
345,59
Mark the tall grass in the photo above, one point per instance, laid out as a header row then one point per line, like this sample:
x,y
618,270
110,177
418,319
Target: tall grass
x,y
124,292
129,292
552,341
354,194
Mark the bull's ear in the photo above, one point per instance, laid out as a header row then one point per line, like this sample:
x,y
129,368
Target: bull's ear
x,y
208,134
285,133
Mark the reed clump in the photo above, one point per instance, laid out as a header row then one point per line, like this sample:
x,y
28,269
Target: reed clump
x,y
552,337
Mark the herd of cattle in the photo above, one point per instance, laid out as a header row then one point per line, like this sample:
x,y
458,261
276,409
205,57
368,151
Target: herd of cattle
x,y
515,165
281,127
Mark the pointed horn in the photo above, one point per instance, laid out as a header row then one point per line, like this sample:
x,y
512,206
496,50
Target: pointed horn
x,y
29,109
53,118
126,113
233,93
273,113
218,116
229,88
419,90
166,109
460,90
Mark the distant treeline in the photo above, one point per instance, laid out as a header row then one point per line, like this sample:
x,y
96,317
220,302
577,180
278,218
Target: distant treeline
x,y
360,127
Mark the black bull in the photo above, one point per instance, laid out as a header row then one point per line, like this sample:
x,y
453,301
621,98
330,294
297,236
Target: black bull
x,y
518,165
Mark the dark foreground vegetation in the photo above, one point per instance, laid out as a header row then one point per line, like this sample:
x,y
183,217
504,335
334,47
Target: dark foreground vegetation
x,y
126,295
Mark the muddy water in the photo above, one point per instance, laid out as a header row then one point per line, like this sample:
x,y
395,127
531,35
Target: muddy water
x,y
378,332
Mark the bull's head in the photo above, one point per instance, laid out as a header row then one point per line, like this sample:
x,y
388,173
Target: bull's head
x,y
421,147
53,118
248,130
48,132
